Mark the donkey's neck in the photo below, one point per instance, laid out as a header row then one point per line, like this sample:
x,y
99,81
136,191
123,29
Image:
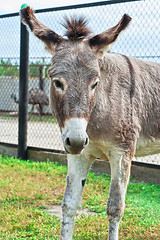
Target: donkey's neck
x,y
116,108
113,98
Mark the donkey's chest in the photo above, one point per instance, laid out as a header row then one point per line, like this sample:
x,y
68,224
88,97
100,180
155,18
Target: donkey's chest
x,y
105,149
103,143
101,149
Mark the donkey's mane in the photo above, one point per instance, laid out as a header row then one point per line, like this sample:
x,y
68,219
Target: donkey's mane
x,y
76,28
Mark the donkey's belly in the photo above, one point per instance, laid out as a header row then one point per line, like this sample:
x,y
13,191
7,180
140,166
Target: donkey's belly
x,y
147,147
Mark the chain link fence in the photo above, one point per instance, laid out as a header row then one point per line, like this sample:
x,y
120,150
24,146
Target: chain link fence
x,y
140,40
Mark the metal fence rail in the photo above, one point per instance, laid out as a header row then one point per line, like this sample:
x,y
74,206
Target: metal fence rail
x,y
141,40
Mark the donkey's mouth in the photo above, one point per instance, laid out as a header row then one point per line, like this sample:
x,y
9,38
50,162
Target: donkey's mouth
x,y
73,152
66,150
76,148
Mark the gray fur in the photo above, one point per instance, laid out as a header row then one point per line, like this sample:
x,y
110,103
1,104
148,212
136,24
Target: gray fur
x,y
115,96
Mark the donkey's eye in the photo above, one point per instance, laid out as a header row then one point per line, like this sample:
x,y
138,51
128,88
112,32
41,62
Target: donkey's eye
x,y
94,85
58,84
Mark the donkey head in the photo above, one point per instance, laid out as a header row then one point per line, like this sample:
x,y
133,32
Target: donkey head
x,y
74,73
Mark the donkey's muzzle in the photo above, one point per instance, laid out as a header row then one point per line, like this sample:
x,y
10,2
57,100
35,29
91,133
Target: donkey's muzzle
x,y
74,135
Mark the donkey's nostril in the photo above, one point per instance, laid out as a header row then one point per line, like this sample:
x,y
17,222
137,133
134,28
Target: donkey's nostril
x,y
86,142
68,142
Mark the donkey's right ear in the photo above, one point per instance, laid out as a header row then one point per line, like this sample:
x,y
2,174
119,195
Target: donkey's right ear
x,y
44,33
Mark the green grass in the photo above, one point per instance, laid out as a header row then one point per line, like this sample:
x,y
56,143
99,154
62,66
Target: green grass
x,y
28,188
45,118
34,118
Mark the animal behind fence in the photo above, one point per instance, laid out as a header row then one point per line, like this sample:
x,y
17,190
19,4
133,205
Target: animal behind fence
x,y
36,98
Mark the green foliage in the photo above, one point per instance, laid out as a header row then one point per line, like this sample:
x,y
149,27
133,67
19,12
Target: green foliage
x,y
28,188
34,70
8,69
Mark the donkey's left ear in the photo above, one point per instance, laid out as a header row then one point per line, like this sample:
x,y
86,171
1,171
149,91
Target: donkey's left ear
x,y
101,42
44,33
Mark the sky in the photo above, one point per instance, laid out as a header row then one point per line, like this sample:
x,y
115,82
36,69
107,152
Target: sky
x,y
10,6
141,39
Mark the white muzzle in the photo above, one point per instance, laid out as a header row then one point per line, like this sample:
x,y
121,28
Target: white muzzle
x,y
74,135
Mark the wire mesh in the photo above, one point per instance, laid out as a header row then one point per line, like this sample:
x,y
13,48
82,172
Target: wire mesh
x,y
9,77
141,40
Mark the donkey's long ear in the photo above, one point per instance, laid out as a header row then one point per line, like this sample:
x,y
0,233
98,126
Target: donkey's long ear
x,y
102,41
44,33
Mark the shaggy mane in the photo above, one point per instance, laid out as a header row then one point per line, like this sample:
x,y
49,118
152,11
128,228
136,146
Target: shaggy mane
x,y
76,28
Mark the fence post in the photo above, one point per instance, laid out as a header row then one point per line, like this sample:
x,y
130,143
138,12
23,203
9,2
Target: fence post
x,y
41,86
23,93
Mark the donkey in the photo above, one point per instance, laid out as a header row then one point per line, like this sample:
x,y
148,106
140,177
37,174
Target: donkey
x,y
107,106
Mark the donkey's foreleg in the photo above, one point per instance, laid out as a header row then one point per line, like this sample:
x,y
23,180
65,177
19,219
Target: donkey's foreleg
x,y
78,167
120,172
